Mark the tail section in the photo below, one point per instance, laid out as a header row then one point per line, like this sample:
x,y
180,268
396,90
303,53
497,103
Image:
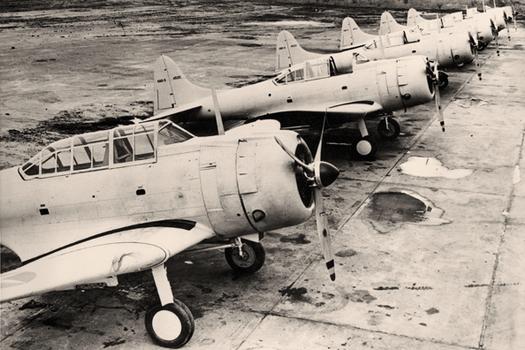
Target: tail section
x,y
352,35
389,24
171,88
413,17
289,52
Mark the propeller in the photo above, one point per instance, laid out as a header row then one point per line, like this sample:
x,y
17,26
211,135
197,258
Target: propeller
x,y
433,74
474,46
319,174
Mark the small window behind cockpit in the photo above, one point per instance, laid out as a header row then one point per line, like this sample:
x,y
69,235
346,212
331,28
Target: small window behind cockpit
x,y
170,134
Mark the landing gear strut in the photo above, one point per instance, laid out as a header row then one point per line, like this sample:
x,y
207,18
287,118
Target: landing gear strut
x,y
246,256
388,128
365,147
170,324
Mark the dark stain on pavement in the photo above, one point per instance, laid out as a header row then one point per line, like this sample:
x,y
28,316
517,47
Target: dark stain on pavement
x,y
114,342
299,238
432,311
295,294
361,296
346,253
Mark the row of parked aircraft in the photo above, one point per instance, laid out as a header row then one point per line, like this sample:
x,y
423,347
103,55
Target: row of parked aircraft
x,y
128,199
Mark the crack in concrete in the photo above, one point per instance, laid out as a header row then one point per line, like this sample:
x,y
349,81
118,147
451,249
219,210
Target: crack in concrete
x,y
492,285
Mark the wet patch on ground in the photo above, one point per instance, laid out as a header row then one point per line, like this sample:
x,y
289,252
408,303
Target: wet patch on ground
x,y
298,238
346,253
361,296
431,167
295,294
387,211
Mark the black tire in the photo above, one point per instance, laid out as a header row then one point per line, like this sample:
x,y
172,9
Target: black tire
x,y
364,149
443,80
253,260
390,133
160,315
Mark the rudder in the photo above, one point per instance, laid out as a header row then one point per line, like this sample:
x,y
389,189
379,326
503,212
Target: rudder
x,y
352,35
289,52
171,88
389,24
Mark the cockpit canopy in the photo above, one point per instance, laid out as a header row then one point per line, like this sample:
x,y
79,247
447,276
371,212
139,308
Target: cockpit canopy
x,y
116,147
308,70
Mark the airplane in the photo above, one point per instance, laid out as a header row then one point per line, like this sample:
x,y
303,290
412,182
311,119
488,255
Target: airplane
x,y
447,49
91,207
314,88
480,27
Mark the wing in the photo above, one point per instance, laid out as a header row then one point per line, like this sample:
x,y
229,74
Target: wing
x,y
350,110
106,256
175,113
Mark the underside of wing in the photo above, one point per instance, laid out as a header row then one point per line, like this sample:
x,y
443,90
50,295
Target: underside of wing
x,y
352,110
176,113
102,257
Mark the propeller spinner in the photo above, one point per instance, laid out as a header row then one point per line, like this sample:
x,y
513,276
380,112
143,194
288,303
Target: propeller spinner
x,y
320,174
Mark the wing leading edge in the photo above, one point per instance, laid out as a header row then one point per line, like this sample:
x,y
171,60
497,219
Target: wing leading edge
x,y
119,253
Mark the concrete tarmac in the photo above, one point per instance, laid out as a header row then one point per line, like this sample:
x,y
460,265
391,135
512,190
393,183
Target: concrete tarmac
x,y
429,241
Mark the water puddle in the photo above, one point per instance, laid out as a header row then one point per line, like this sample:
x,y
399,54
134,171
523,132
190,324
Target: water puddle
x,y
431,167
388,211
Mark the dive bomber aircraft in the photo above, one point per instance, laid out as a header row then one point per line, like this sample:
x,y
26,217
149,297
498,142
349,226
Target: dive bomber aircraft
x,y
316,87
94,206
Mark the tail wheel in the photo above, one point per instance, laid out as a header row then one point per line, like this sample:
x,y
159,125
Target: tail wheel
x,y
171,325
390,131
365,148
252,258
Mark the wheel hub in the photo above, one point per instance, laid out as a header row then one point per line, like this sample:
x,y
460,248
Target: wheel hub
x,y
166,325
363,147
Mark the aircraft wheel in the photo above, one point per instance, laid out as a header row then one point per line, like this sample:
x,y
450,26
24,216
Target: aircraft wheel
x,y
364,148
443,80
252,259
393,130
171,325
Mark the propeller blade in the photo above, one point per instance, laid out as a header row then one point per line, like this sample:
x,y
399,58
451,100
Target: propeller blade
x,y
437,98
323,233
217,109
290,153
474,45
317,158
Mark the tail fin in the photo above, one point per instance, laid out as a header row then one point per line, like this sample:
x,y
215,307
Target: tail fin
x,y
171,88
289,52
352,35
413,17
389,24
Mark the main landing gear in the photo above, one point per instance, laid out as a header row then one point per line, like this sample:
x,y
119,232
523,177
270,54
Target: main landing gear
x,y
246,256
171,323
365,148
